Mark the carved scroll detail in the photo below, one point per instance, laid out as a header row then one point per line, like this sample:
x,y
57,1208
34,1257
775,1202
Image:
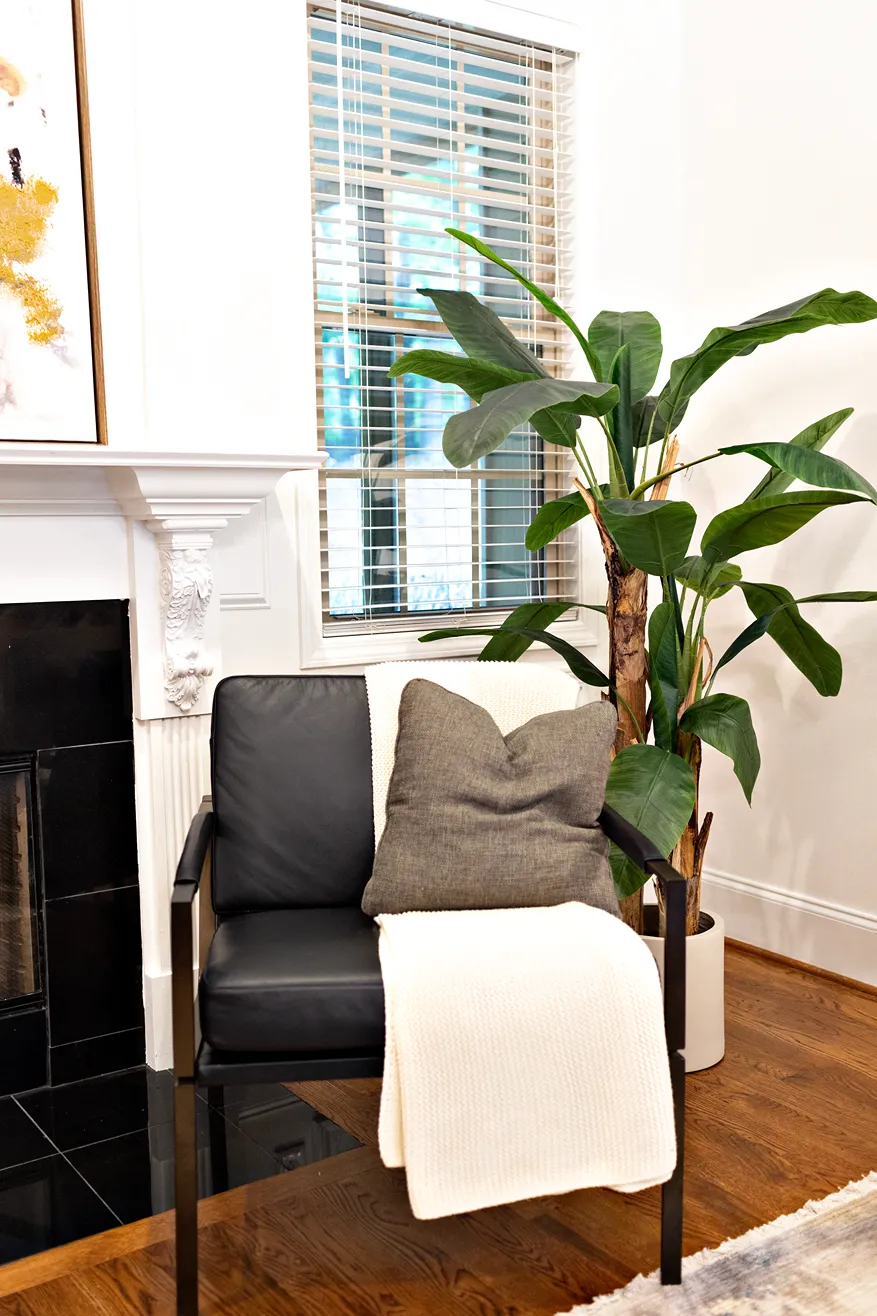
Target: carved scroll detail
x,y
186,584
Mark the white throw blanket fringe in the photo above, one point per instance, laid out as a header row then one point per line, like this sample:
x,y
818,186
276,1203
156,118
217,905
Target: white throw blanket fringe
x,y
525,1051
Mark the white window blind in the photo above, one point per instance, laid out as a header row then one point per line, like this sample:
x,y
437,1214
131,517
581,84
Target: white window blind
x,y
437,127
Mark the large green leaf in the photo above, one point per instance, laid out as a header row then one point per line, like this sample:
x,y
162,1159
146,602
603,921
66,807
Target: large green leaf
x,y
554,517
483,336
821,308
763,520
622,473
654,536
577,663
814,437
507,645
694,572
808,466
725,722
640,332
813,656
774,600
642,414
548,302
474,375
555,427
752,632
474,433
663,676
508,641
480,332
653,790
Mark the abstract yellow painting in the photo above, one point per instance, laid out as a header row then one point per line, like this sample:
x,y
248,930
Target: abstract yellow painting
x,y
48,312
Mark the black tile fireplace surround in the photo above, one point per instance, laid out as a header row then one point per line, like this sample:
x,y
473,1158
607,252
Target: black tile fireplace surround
x,y
66,728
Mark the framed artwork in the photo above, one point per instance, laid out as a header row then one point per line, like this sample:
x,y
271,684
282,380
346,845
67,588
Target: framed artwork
x,y
51,373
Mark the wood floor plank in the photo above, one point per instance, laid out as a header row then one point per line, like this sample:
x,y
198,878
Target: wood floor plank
x,y
94,1251
791,1113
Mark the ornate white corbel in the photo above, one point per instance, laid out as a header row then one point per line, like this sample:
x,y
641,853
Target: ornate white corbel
x,y
186,587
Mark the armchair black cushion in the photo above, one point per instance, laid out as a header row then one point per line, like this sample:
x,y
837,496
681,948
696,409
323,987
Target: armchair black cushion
x,y
294,980
292,792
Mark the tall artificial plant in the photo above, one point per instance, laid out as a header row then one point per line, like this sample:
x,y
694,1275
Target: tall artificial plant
x,y
662,674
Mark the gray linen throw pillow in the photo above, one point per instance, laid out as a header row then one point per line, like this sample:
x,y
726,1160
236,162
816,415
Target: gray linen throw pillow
x,y
476,820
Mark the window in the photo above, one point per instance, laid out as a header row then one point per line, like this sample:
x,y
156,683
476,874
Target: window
x,y
440,127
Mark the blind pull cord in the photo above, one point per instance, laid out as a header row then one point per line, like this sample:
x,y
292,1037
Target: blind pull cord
x,y
342,190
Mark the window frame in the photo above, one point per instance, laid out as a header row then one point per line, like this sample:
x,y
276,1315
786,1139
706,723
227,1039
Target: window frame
x,y
379,641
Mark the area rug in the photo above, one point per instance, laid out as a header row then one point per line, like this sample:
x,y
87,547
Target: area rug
x,y
821,1261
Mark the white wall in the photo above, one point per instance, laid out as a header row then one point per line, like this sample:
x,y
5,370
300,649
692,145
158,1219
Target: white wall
x,y
752,180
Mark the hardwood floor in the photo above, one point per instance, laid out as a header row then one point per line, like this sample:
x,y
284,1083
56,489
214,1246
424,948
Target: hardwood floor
x,y
790,1114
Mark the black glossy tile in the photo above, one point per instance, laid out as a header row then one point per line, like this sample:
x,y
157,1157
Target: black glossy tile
x,y
135,1174
87,818
44,1204
76,1061
287,1127
20,1139
24,1051
65,674
93,965
102,1108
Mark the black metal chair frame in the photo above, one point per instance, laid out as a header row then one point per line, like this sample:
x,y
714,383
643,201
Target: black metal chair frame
x,y
194,1064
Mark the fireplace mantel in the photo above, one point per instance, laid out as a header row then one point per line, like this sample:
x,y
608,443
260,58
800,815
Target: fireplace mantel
x,y
44,479
173,503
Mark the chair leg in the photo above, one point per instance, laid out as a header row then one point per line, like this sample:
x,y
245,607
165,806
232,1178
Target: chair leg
x,y
186,1197
218,1139
672,1192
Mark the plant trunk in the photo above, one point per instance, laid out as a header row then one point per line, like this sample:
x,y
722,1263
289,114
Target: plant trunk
x,y
687,857
626,611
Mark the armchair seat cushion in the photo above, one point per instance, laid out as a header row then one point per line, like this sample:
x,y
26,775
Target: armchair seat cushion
x,y
297,980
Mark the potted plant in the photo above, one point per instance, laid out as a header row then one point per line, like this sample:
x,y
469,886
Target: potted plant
x,y
662,672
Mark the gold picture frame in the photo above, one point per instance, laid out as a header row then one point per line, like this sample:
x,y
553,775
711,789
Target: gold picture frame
x,y
97,349
52,385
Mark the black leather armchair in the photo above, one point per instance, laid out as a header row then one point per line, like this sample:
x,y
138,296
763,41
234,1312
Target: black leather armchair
x,y
290,985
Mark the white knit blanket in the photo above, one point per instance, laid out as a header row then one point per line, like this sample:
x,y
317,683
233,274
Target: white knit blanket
x,y
525,1056
525,1051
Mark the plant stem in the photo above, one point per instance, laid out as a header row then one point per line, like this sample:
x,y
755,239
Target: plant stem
x,y
587,469
648,445
684,466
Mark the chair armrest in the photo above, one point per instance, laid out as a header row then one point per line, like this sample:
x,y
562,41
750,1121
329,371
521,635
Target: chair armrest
x,y
675,906
194,861
195,850
636,846
646,855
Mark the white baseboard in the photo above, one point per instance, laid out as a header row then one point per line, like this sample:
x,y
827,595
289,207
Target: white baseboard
x,y
159,1018
159,1033
819,932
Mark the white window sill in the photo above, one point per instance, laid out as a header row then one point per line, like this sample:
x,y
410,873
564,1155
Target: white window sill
x,y
362,650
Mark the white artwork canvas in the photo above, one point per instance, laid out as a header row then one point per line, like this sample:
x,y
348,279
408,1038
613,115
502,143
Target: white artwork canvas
x,y
47,379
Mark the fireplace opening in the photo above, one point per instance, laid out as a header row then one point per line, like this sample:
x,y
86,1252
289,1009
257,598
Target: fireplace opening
x,y
19,927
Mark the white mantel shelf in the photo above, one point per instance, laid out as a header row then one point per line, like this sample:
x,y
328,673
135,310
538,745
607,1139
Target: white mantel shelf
x,y
42,479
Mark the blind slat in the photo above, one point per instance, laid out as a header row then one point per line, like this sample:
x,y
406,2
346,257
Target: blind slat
x,y
408,208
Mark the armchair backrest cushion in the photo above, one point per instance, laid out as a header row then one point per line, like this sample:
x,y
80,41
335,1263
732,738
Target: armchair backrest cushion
x,y
292,792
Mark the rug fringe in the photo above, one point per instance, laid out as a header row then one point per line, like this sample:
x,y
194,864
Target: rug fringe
x,y
761,1233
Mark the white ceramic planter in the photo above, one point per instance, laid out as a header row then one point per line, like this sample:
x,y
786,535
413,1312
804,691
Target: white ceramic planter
x,y
704,990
